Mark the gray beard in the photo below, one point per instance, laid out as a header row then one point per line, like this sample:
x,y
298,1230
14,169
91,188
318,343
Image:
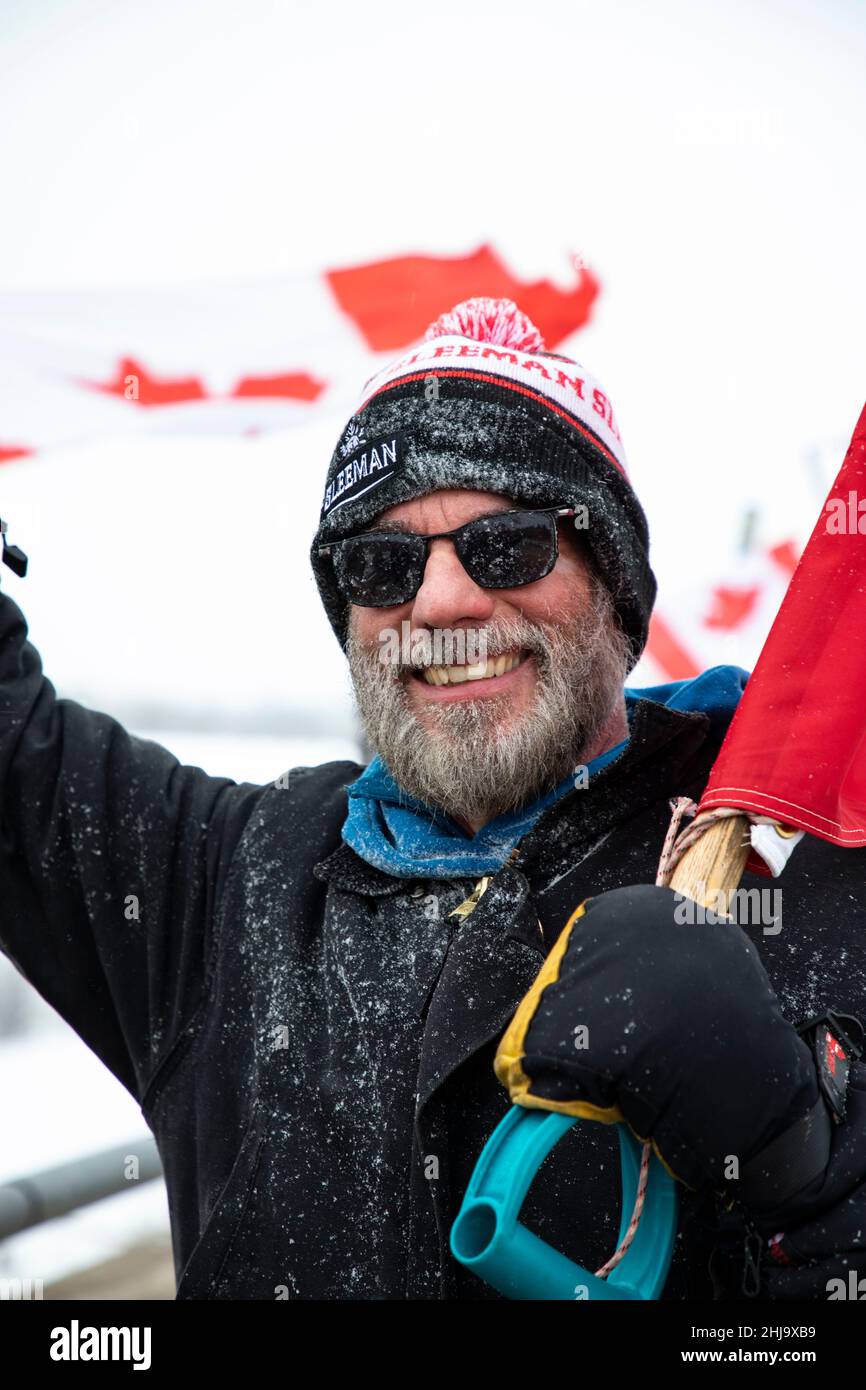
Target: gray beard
x,y
463,763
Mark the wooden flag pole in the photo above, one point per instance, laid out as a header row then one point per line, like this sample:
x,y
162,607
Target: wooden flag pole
x,y
715,863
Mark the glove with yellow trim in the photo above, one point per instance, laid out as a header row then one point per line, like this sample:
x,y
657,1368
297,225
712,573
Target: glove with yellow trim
x,y
675,1029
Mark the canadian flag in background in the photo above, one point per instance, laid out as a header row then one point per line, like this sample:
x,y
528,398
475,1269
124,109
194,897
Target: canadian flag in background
x,y
265,354
239,358
722,622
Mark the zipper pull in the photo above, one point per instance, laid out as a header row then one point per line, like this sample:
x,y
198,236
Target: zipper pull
x,y
469,904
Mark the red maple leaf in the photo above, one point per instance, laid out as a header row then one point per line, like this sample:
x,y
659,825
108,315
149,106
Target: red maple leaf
x,y
298,386
134,383
731,607
393,301
786,556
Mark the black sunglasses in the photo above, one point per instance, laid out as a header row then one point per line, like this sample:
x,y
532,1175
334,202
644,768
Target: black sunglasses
x,y
381,569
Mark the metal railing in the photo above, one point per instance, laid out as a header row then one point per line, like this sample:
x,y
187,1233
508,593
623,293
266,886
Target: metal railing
x,y
28,1201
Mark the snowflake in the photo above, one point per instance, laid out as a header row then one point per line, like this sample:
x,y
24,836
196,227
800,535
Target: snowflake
x,y
354,439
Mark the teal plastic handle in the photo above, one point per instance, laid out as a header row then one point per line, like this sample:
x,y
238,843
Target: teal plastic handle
x,y
488,1238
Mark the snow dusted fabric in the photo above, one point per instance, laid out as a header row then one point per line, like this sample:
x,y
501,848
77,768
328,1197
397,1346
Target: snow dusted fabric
x,y
401,835
566,388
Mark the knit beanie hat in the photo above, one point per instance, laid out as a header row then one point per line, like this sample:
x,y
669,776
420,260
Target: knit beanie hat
x,y
481,404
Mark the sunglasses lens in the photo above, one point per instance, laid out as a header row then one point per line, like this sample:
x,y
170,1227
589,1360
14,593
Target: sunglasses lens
x,y
506,551
498,552
379,571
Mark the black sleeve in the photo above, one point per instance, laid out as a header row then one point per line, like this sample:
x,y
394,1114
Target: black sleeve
x,y
820,1252
112,861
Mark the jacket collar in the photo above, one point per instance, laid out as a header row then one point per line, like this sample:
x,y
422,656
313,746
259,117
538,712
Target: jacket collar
x,y
662,752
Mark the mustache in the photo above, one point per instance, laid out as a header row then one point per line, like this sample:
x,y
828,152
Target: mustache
x,y
425,647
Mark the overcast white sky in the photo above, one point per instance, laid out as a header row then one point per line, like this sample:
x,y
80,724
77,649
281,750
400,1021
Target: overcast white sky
x,y
705,159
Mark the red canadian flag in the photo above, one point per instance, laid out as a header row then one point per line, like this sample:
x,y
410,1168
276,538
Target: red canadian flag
x,y
796,747
238,358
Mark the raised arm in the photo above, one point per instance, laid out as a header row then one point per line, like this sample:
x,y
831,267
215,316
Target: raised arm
x,y
112,860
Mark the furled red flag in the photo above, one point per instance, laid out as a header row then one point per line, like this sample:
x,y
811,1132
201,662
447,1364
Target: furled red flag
x,y
796,747
240,358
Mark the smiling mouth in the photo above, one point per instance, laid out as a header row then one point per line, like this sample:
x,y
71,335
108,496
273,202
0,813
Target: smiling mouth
x,y
482,670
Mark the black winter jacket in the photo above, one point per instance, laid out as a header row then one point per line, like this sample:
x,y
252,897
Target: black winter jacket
x,y
311,1040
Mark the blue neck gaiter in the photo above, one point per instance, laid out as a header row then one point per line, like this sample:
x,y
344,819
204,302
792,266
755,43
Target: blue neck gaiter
x,y
402,836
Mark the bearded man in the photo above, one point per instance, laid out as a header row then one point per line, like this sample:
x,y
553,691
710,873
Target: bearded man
x,y
310,1006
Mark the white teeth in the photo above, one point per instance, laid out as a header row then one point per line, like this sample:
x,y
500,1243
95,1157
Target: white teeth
x,y
455,675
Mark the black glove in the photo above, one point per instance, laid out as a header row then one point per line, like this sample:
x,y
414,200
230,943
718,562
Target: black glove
x,y
675,1029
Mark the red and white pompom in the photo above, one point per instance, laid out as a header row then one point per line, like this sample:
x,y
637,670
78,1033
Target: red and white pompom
x,y
489,321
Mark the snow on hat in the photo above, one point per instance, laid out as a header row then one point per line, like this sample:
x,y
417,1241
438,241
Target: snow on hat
x,y
481,404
